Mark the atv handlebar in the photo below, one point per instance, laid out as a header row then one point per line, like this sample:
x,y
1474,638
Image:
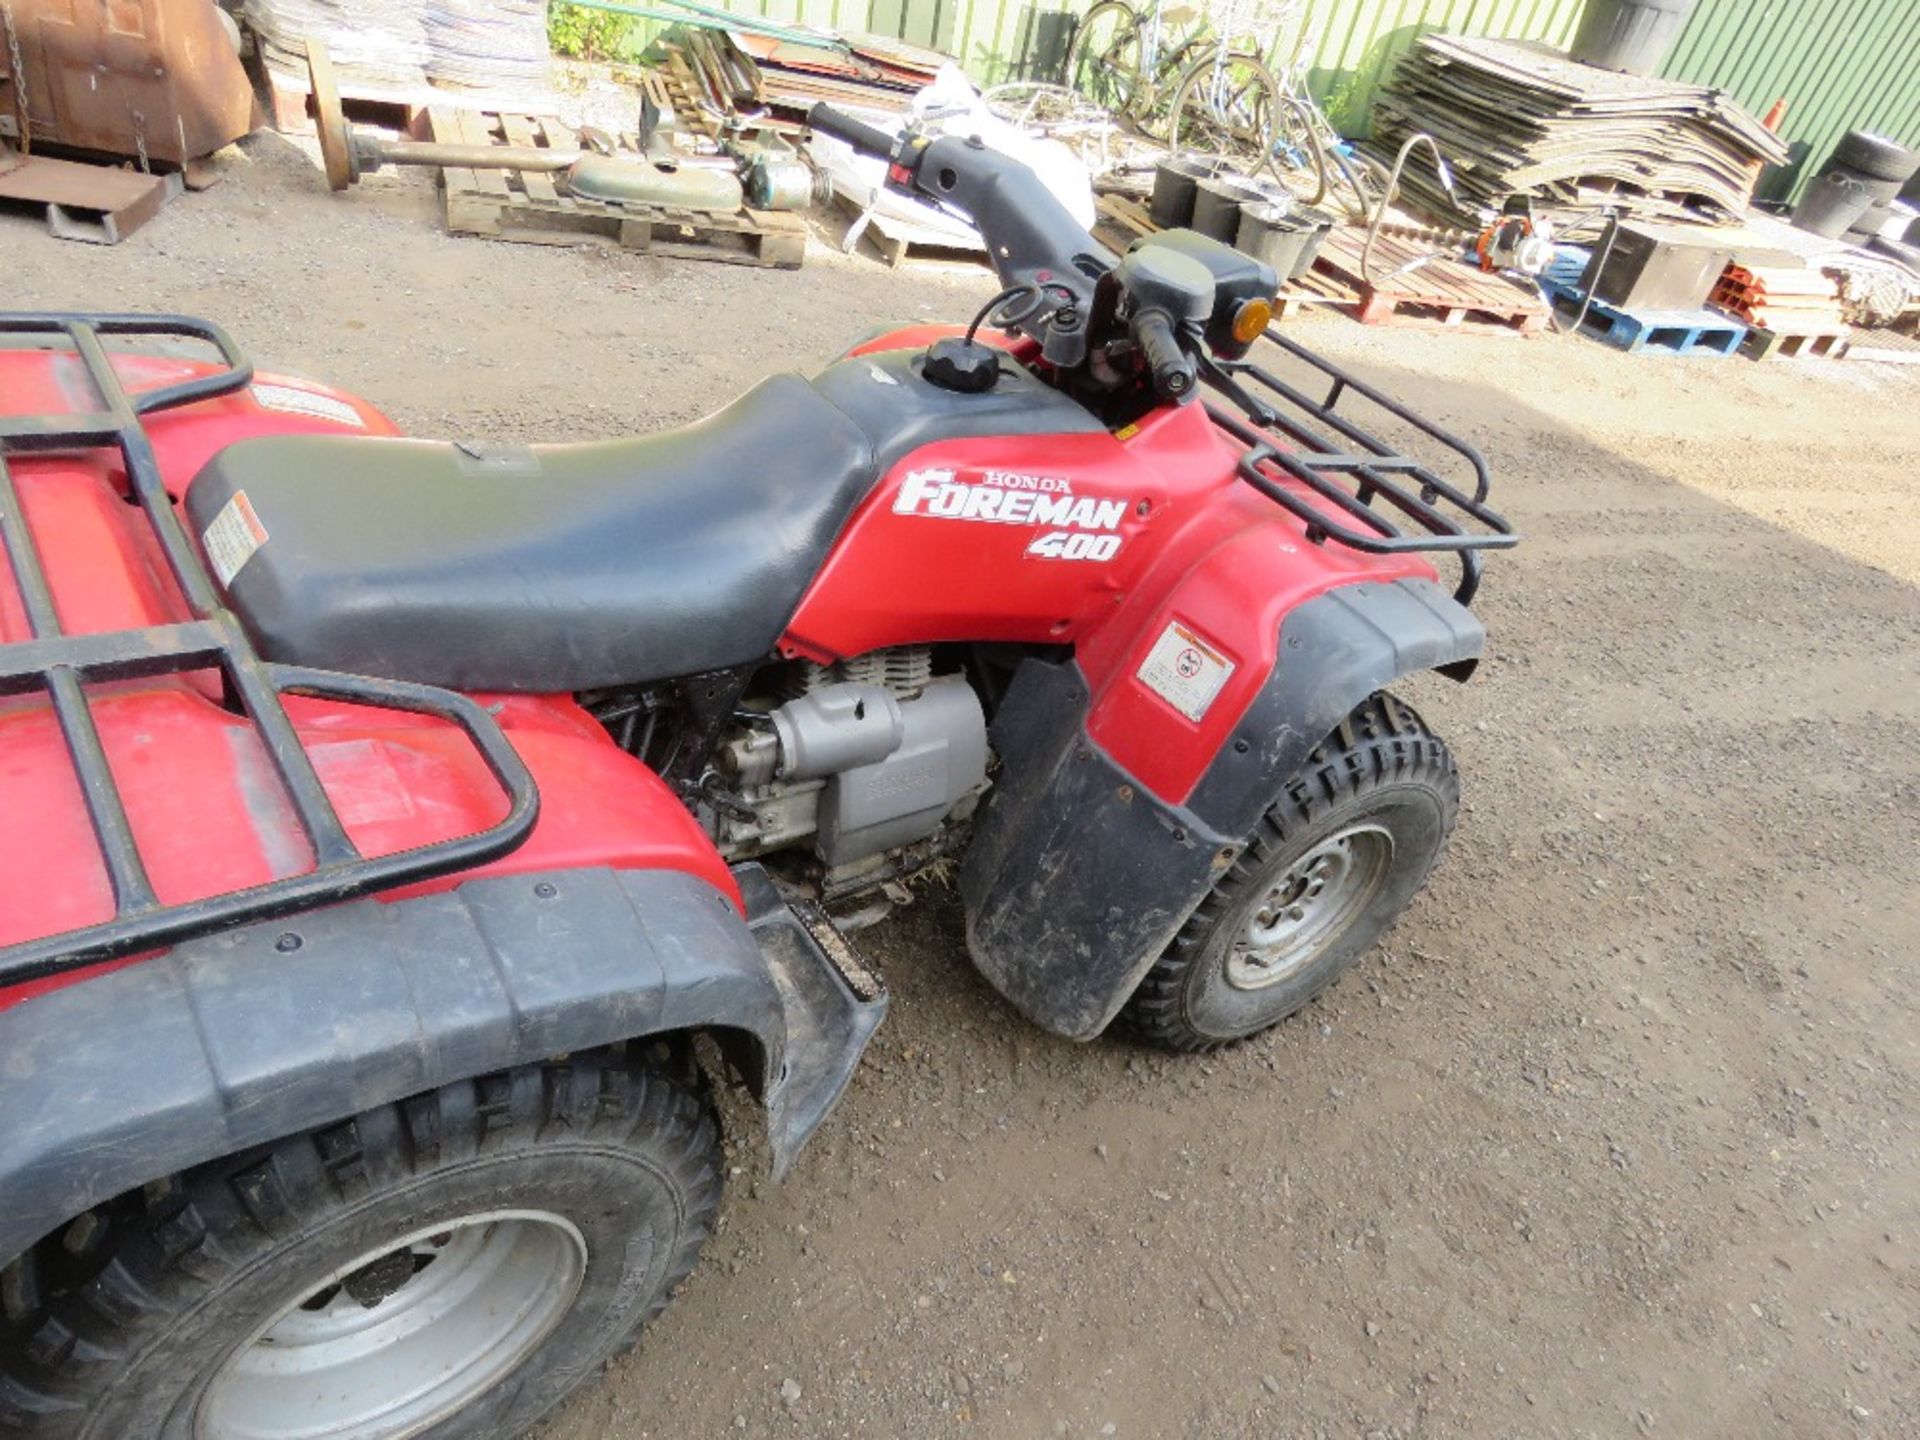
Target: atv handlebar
x,y
1032,238
867,139
1173,370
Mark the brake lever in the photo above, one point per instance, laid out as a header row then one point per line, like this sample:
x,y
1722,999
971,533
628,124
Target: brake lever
x,y
1217,375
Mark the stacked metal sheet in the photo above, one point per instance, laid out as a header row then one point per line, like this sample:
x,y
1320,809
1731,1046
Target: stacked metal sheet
x,y
1517,117
409,46
487,44
377,43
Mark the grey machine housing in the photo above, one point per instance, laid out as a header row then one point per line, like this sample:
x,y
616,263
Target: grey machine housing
x,y
861,768
893,768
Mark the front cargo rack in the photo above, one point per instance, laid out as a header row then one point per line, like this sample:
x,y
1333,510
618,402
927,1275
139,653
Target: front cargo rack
x,y
1342,468
63,665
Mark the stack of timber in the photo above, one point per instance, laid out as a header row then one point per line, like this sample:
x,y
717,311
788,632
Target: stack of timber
x,y
1791,313
778,79
1521,118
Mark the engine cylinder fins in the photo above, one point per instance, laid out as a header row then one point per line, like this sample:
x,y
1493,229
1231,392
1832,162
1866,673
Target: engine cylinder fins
x,y
906,670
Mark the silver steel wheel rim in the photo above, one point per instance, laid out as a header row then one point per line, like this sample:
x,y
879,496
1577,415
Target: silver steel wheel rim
x,y
1310,906
456,1307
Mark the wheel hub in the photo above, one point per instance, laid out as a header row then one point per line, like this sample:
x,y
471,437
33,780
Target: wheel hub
x,y
1309,906
404,1336
377,1281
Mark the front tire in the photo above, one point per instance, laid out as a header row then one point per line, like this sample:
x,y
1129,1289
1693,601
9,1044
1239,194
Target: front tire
x,y
449,1268
1340,853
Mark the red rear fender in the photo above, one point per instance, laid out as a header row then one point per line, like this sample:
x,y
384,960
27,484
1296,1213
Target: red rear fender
x,y
206,808
209,815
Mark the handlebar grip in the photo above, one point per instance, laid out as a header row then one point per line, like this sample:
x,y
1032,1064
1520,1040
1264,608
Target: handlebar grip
x,y
863,137
1172,369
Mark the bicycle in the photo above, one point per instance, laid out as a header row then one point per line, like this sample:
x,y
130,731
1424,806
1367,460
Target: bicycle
x,y
1115,58
1229,99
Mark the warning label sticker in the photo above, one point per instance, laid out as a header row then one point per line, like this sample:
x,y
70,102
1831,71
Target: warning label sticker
x,y
232,537
1185,670
291,400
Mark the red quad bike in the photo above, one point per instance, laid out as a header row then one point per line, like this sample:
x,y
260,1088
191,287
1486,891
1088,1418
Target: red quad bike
x,y
393,833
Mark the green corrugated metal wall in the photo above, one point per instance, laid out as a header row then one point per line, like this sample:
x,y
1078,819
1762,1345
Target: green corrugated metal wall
x,y
1353,44
1840,63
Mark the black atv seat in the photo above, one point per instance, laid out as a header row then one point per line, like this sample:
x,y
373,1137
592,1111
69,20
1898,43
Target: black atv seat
x,y
543,569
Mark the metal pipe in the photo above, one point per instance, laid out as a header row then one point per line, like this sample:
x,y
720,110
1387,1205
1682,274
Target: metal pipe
x,y
471,157
1393,185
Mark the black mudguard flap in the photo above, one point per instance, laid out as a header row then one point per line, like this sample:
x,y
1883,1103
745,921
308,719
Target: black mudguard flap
x,y
833,1005
252,1034
1078,877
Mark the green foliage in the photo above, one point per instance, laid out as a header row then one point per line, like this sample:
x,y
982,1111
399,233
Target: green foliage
x,y
590,34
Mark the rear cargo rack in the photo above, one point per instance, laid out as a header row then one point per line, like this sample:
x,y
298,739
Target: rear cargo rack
x,y
1341,474
62,665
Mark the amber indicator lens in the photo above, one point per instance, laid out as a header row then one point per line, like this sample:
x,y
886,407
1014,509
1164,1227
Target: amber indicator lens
x,y
1250,321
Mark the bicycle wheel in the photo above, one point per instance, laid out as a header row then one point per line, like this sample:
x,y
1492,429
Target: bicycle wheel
x,y
1226,105
1103,59
1298,159
1152,114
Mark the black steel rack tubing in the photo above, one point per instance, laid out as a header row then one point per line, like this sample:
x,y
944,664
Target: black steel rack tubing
x,y
63,665
1293,439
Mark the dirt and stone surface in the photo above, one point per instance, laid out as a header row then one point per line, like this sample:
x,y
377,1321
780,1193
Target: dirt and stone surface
x,y
1618,1134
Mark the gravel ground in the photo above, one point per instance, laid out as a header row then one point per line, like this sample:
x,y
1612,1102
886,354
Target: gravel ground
x,y
1616,1134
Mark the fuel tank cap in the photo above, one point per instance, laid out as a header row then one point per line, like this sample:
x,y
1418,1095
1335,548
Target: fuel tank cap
x,y
956,363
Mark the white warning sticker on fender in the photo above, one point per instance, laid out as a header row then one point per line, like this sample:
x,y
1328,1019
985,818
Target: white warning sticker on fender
x,y
291,400
232,537
1185,670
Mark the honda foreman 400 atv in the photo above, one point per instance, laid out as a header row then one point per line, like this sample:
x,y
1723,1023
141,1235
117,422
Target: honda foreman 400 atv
x,y
383,821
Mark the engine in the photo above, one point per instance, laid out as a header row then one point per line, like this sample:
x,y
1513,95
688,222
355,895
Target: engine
x,y
872,764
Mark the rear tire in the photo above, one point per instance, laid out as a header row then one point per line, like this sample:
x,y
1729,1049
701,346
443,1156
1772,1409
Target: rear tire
x,y
516,1230
1337,857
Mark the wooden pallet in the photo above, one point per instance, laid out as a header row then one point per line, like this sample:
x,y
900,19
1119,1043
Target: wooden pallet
x,y
899,241
1121,218
1315,290
1762,344
1884,344
533,207
1438,292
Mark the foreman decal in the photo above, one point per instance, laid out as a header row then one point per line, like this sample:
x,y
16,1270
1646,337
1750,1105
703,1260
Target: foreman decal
x,y
1079,527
